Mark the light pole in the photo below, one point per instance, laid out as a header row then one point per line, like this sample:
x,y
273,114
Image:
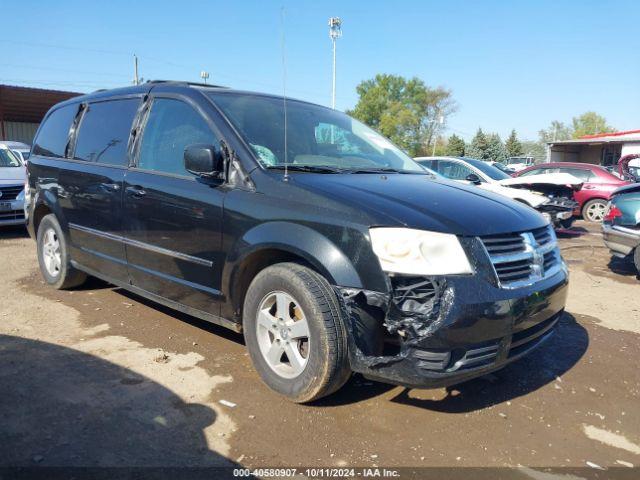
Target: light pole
x,y
335,32
204,76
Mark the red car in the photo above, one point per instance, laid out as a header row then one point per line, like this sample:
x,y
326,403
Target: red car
x,y
598,184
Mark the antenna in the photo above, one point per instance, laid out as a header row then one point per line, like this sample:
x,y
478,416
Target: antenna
x,y
284,94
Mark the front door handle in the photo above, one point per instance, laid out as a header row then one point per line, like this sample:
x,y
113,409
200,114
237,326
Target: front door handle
x,y
136,191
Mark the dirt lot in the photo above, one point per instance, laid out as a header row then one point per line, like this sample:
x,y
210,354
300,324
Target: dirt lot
x,y
100,377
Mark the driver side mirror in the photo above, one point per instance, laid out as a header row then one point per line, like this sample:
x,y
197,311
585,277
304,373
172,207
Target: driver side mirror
x,y
204,160
473,178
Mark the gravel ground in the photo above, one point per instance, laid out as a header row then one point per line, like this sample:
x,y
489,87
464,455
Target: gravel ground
x,y
101,377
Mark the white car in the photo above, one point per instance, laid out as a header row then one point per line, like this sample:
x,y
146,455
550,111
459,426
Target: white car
x,y
550,195
22,150
12,178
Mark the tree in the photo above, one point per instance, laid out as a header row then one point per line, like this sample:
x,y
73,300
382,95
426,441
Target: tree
x,y
557,131
513,145
478,146
406,111
536,150
495,149
590,123
455,146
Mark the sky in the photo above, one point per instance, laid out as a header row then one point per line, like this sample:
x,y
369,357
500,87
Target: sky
x,y
509,64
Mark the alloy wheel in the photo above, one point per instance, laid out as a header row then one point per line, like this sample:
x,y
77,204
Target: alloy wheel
x,y
596,211
51,252
283,335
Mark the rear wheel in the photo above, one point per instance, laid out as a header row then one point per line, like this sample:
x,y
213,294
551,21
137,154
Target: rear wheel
x,y
294,332
53,256
594,210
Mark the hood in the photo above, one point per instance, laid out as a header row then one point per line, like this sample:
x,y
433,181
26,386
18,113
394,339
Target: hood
x,y
632,188
543,179
12,175
419,201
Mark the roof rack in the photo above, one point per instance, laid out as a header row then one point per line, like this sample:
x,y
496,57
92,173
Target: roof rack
x,y
184,82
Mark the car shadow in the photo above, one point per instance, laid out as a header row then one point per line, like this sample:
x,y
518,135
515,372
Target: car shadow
x,y
13,232
571,232
552,359
537,369
623,266
209,327
65,408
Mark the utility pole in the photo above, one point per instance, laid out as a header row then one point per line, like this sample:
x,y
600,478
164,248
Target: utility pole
x,y
136,80
335,32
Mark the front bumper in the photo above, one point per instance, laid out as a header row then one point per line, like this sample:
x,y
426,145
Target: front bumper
x,y
13,214
620,240
479,328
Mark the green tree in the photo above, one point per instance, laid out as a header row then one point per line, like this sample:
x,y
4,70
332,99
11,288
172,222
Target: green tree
x,y
513,145
495,149
478,146
455,146
590,123
536,150
405,110
557,131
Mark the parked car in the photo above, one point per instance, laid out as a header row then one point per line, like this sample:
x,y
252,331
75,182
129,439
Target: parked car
x,y
621,226
21,150
501,166
596,190
519,163
551,199
331,250
12,178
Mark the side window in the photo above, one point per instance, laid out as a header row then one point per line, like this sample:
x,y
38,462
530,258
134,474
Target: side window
x,y
54,132
172,125
428,163
453,170
104,131
580,173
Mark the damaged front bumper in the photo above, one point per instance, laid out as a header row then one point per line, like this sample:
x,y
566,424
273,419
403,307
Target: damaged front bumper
x,y
433,332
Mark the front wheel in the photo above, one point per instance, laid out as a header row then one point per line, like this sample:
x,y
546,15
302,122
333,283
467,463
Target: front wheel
x,y
53,256
595,210
294,332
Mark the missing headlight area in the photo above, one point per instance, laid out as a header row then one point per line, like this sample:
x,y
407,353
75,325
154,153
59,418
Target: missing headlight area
x,y
383,327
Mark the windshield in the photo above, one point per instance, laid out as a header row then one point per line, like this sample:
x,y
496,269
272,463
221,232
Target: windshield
x,y
8,159
489,170
318,139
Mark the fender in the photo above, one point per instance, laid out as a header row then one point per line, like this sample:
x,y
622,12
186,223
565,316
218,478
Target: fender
x,y
47,198
299,240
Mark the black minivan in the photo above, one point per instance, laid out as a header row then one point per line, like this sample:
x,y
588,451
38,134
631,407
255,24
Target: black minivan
x,y
326,245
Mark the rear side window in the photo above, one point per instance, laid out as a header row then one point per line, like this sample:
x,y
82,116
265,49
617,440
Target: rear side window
x,y
172,125
54,133
580,173
104,131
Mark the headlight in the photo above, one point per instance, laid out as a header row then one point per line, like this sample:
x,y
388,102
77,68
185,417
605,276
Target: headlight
x,y
419,252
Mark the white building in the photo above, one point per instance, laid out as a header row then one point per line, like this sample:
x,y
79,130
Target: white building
x,y
602,149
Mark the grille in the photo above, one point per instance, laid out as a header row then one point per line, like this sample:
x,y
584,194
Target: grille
x,y
10,193
520,259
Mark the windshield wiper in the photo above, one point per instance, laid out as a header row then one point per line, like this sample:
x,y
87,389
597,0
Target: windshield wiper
x,y
307,168
383,170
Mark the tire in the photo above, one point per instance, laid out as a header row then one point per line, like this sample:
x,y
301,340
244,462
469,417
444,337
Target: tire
x,y
636,259
53,256
278,298
594,210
